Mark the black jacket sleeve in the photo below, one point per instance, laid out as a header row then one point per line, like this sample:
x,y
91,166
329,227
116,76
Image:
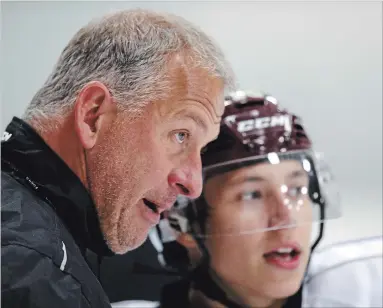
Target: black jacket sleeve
x,y
30,279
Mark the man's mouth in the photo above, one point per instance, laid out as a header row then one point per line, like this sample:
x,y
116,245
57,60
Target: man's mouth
x,y
151,205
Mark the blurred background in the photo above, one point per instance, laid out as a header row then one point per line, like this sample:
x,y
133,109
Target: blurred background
x,y
323,60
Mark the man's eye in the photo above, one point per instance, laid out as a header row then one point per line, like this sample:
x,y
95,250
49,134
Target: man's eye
x,y
181,137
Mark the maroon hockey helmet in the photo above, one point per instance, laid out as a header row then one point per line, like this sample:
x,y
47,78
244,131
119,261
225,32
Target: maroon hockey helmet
x,y
254,125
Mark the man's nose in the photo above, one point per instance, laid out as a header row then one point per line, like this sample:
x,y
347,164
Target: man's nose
x,y
186,179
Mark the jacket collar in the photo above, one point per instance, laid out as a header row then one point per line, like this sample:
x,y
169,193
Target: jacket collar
x,y
36,162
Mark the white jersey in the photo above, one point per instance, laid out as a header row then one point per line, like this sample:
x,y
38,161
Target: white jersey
x,y
347,274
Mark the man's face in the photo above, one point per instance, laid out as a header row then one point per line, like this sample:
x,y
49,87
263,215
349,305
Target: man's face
x,y
140,165
243,203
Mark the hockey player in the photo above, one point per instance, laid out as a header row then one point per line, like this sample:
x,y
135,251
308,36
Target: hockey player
x,y
250,233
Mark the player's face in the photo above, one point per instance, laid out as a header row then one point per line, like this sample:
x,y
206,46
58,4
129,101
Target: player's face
x,y
260,265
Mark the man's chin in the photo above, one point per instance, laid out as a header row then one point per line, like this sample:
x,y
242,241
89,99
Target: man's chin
x,y
127,244
136,244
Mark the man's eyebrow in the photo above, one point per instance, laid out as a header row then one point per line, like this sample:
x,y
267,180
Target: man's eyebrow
x,y
194,117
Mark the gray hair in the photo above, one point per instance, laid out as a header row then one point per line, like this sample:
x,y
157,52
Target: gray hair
x,y
128,51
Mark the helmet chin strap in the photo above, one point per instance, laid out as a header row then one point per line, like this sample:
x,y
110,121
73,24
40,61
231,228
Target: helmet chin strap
x,y
320,235
203,282
201,276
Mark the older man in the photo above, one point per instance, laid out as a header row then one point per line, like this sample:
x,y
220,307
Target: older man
x,y
106,145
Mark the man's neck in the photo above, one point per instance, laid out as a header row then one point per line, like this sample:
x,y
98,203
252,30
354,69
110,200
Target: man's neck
x,y
65,143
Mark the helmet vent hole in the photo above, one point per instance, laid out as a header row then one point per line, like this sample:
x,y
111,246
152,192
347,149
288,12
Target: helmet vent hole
x,y
250,103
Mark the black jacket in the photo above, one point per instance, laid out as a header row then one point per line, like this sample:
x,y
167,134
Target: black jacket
x,y
137,275
48,221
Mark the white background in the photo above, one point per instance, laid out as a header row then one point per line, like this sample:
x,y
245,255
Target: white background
x,y
323,60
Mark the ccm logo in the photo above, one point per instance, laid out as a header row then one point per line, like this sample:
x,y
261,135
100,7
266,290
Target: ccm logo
x,y
261,123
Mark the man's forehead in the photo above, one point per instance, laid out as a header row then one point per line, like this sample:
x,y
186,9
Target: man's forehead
x,y
219,108
212,99
198,85
206,87
193,106
218,101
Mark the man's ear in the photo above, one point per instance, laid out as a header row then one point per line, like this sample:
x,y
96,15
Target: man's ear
x,y
94,108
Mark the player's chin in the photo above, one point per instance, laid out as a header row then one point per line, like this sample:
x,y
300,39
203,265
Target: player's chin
x,y
286,288
288,284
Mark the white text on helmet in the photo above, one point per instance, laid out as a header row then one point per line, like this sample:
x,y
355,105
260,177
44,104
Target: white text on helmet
x,y
261,123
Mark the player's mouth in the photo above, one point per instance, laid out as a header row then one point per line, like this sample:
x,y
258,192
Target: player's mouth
x,y
284,257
